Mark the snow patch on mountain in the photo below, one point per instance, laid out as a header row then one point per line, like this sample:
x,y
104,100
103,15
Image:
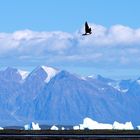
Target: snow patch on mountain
x,y
51,72
93,76
124,90
83,78
117,87
89,77
23,74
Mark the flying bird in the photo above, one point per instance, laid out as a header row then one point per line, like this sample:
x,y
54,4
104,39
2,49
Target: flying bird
x,y
87,29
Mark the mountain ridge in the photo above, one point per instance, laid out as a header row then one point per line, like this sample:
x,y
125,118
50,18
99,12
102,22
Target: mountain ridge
x,y
66,98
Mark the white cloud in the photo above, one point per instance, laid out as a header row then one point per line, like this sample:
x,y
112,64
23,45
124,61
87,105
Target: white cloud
x,y
58,40
117,45
115,35
124,60
7,43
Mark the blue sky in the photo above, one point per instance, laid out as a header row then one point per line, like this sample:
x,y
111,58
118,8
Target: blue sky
x,y
38,32
66,15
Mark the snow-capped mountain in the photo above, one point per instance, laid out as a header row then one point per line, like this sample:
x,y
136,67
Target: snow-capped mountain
x,y
23,74
51,72
50,96
10,74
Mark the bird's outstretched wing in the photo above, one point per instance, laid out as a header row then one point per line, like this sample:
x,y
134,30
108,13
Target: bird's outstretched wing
x,y
86,27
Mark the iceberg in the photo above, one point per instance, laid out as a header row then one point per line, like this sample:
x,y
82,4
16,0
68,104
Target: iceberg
x,y
88,123
121,126
54,127
138,127
62,128
32,126
1,128
35,126
27,127
76,128
91,124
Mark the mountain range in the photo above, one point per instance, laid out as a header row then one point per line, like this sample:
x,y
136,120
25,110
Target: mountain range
x,y
57,97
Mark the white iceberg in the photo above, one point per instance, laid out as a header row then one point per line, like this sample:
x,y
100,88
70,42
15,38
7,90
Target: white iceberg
x,y
32,126
138,127
35,126
88,123
1,128
54,127
27,127
76,127
82,127
121,126
62,128
91,124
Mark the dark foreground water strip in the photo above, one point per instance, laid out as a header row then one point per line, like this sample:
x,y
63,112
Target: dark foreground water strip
x,y
74,136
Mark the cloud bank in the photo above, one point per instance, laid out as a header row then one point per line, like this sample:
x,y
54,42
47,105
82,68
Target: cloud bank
x,y
117,46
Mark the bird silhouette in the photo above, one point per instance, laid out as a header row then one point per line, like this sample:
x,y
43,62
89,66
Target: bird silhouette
x,y
87,29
